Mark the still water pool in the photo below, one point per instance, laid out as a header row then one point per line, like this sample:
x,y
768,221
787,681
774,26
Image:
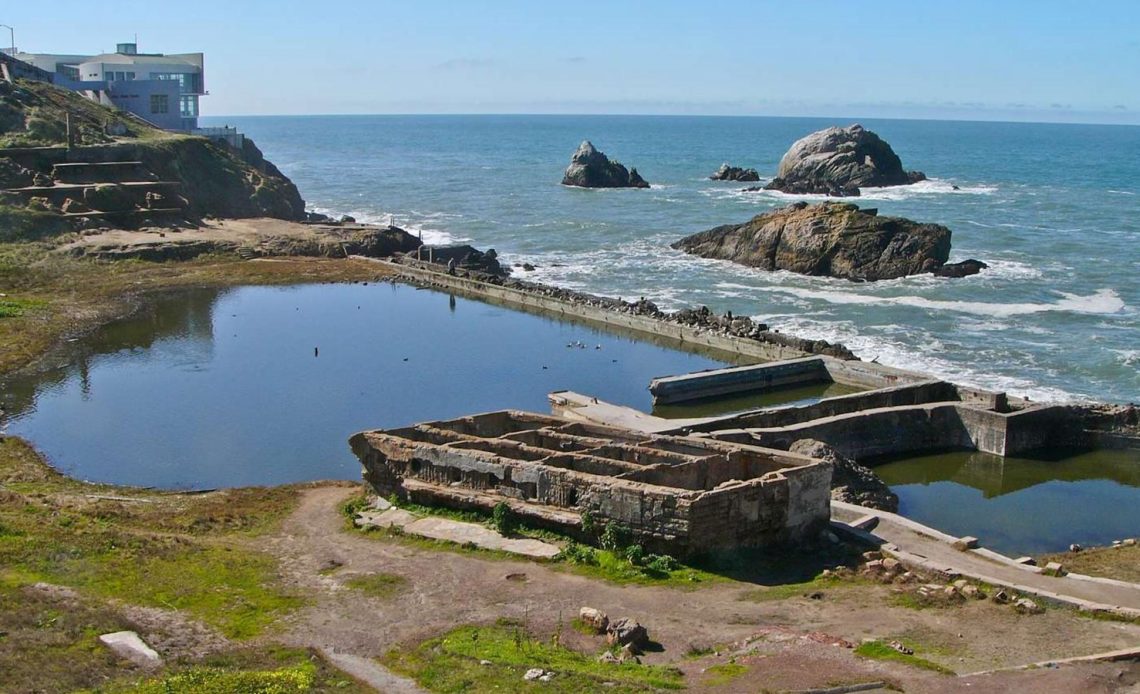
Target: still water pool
x,y
1019,505
264,385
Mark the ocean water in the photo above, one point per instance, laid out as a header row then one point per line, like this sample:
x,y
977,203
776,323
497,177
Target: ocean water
x,y
1053,209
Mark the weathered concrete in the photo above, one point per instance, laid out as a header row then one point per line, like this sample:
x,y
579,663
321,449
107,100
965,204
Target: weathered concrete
x,y
931,550
675,494
128,645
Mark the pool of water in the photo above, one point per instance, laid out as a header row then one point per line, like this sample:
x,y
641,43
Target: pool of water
x,y
1018,505
776,397
264,385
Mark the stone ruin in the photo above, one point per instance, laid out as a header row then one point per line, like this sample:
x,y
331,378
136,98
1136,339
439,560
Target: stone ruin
x,y
676,494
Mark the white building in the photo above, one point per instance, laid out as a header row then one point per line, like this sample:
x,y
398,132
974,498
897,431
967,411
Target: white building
x,y
162,89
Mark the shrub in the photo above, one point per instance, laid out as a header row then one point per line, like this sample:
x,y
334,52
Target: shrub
x,y
575,553
615,537
661,562
589,524
635,554
503,519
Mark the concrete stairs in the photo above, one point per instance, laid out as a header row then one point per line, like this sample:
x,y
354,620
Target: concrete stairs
x,y
124,191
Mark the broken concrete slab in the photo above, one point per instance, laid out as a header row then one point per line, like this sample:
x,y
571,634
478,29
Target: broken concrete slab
x,y
481,537
393,517
128,645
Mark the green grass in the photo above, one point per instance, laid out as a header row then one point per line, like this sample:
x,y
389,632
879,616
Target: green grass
x,y
878,650
273,670
718,675
614,568
378,585
451,663
11,307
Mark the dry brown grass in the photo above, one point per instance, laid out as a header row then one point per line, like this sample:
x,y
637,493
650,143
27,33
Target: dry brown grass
x,y
1120,563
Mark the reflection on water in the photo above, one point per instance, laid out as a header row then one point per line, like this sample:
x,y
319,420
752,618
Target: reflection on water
x,y
1022,506
775,397
263,385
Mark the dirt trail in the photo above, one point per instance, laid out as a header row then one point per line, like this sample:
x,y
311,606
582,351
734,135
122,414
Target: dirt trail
x,y
449,588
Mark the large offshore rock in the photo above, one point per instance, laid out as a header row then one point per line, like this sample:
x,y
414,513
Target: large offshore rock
x,y
590,168
839,161
830,238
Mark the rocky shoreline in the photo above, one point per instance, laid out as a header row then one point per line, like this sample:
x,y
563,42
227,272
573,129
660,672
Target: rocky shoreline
x,y
700,318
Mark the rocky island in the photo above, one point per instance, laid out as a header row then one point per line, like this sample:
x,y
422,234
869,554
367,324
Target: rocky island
x,y
590,168
838,162
832,239
734,173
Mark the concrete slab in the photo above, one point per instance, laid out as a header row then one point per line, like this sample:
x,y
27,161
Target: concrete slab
x,y
383,519
128,644
484,538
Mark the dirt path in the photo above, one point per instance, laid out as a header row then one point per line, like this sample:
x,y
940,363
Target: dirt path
x,y
449,588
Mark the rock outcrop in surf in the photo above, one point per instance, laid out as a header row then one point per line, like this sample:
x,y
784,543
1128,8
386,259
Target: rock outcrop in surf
x,y
735,173
839,161
590,168
833,239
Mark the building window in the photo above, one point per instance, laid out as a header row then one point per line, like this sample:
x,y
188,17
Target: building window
x,y
130,75
159,103
185,80
189,106
110,77
120,76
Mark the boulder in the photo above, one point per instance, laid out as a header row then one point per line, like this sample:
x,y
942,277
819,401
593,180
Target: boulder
x,y
595,619
590,168
734,173
465,257
830,238
627,632
850,482
838,162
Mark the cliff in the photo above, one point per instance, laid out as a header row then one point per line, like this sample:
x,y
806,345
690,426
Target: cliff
x,y
121,171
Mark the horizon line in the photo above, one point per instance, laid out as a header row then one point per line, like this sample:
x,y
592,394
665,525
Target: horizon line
x,y
670,115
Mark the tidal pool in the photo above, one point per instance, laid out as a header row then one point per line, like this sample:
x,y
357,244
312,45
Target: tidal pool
x,y
1019,505
264,385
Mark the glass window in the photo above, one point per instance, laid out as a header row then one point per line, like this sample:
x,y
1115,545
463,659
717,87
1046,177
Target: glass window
x,y
120,76
189,106
110,77
130,75
159,103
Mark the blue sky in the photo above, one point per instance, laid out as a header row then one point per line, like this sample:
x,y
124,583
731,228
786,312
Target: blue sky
x,y
994,60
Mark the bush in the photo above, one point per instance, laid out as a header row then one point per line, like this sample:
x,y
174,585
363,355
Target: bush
x,y
615,537
504,520
635,554
575,553
589,524
661,562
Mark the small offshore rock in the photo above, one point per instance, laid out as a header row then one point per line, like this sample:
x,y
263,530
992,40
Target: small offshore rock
x,y
734,173
590,168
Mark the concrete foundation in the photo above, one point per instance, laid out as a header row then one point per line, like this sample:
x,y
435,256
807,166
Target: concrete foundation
x,y
678,495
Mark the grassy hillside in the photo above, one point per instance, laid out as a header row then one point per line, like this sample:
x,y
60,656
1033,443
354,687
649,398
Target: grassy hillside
x,y
214,179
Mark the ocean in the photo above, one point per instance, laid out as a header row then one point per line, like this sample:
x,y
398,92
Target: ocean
x,y
1053,209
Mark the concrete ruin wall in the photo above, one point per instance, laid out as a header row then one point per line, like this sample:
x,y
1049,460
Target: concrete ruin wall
x,y
675,495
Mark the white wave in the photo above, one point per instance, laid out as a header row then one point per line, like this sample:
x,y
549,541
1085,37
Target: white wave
x,y
1009,269
1122,192
921,353
1103,301
931,186
1128,357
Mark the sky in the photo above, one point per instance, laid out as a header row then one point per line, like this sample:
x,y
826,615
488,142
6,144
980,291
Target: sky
x,y
1036,60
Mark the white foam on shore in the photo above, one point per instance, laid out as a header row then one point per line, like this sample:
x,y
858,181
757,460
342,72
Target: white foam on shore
x,y
1102,302
921,353
929,187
